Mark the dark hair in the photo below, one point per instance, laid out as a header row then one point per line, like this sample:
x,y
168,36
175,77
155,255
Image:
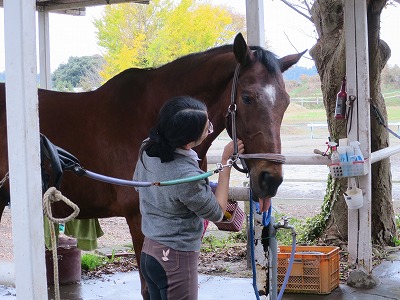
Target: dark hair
x,y
180,121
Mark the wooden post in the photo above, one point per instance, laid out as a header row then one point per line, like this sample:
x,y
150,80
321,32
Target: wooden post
x,y
255,22
256,37
24,148
44,50
357,70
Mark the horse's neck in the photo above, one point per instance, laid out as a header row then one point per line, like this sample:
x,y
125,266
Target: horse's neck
x,y
209,82
203,78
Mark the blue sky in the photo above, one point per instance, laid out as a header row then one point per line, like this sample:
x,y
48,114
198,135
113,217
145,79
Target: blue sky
x,y
286,31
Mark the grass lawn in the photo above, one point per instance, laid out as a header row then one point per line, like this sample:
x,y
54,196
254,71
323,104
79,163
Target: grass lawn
x,y
297,114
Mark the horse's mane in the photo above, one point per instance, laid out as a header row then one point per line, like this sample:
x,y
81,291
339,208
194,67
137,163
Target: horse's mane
x,y
267,58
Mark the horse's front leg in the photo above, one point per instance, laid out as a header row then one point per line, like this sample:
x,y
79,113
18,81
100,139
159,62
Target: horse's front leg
x,y
4,198
2,206
134,223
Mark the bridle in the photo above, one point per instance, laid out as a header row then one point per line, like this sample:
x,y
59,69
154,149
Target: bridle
x,y
232,108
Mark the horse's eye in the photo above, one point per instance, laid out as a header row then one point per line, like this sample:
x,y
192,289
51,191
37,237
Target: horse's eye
x,y
246,99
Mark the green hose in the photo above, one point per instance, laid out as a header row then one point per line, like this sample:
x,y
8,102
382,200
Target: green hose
x,y
185,180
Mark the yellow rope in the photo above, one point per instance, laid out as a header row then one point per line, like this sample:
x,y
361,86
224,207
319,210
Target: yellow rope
x,y
52,195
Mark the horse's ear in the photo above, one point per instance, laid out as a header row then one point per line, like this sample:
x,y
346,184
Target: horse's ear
x,y
289,60
242,52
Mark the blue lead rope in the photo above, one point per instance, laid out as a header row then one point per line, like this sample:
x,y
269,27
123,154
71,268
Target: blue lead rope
x,y
266,218
253,262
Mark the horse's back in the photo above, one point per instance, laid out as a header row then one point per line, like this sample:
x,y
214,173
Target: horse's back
x,y
90,126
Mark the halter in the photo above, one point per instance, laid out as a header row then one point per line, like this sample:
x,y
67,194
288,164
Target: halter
x,y
273,157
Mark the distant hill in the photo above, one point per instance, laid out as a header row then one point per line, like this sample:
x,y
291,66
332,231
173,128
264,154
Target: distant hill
x,y
295,72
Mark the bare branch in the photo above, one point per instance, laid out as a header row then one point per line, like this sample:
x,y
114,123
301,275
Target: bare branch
x,y
295,46
290,42
308,6
292,6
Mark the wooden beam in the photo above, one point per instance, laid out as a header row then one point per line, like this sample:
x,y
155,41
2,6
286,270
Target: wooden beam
x,y
76,7
55,5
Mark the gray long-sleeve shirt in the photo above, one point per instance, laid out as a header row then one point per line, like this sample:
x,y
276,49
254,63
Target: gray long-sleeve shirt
x,y
173,215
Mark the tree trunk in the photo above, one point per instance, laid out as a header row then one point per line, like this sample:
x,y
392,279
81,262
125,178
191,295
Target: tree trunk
x,y
330,60
383,224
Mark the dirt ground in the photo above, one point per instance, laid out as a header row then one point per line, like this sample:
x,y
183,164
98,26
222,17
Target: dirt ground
x,y
230,261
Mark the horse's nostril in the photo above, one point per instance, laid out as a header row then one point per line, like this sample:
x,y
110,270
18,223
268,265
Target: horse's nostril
x,y
270,183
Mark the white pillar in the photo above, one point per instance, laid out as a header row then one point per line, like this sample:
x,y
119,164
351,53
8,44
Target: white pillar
x,y
23,149
7,273
357,70
256,37
44,50
255,22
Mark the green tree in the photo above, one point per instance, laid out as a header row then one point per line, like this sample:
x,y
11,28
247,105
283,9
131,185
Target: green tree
x,y
78,72
147,36
391,76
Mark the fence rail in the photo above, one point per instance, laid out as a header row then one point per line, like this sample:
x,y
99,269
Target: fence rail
x,y
318,100
325,125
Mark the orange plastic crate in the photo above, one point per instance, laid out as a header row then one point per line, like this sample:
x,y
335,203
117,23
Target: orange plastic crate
x,y
315,269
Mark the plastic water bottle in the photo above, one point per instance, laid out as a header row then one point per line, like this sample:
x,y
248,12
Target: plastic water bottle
x,y
342,153
350,153
335,158
358,156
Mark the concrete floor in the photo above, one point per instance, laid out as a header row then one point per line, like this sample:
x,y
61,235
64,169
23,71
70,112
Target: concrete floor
x,y
126,286
388,273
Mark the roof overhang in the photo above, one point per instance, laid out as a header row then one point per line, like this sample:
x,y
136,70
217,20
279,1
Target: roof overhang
x,y
75,7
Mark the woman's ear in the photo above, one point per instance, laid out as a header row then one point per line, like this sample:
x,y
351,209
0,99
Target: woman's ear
x,y
189,146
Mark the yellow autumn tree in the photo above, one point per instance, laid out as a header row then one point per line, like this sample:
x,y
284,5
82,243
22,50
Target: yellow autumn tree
x,y
148,36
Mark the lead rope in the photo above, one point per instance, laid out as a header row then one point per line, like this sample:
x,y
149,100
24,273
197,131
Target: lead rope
x,y
232,112
4,179
52,195
381,120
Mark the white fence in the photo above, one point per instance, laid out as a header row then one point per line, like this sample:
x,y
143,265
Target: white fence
x,y
312,126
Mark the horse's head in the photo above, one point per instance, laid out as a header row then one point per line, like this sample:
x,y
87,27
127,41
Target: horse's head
x,y
261,100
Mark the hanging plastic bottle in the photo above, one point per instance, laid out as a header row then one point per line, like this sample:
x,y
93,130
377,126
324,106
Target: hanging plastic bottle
x,y
335,158
358,156
341,98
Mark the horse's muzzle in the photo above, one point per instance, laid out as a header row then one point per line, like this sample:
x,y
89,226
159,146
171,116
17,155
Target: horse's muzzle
x,y
268,184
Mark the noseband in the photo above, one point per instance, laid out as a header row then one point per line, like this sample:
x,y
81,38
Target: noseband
x,y
273,157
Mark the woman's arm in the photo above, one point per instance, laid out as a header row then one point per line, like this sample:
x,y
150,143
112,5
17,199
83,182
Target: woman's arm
x,y
221,192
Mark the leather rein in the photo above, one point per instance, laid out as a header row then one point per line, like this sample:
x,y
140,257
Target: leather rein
x,y
232,108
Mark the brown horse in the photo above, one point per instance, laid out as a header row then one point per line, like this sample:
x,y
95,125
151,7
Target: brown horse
x,y
104,128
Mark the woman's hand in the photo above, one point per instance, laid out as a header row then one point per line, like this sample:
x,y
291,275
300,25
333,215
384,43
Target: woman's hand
x,y
221,193
229,148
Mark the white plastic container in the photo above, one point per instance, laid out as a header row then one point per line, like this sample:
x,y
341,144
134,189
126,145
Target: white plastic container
x,y
358,156
354,196
350,153
342,153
